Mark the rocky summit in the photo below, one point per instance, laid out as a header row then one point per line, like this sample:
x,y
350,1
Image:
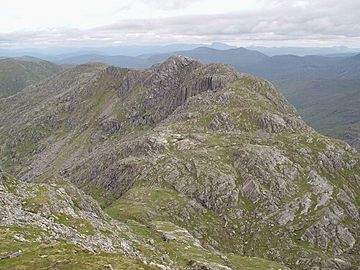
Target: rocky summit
x,y
178,166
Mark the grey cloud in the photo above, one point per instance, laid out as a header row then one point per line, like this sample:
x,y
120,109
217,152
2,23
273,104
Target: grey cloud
x,y
321,20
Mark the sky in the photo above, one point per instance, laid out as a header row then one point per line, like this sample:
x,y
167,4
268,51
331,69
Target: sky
x,y
86,23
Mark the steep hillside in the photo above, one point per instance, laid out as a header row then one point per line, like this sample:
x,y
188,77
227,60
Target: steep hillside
x,y
17,73
331,106
213,160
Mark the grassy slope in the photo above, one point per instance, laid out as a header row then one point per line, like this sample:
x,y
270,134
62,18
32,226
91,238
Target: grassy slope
x,y
16,74
56,254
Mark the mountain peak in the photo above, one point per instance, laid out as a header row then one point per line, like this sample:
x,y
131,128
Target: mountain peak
x,y
179,60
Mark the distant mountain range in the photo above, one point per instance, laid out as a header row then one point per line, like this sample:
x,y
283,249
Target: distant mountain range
x,y
60,53
302,51
236,57
280,67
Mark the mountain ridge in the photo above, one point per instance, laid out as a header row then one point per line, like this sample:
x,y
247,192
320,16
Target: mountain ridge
x,y
289,73
204,148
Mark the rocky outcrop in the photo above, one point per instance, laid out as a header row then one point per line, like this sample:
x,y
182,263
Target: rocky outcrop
x,y
169,85
110,125
62,212
222,121
268,175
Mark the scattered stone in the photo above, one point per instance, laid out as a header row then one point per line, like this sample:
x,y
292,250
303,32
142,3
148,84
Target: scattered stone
x,y
109,266
151,241
20,238
11,255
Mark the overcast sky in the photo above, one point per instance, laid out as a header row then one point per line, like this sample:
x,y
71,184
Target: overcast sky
x,y
47,23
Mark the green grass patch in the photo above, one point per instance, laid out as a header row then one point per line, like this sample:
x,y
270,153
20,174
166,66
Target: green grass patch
x,y
58,255
82,226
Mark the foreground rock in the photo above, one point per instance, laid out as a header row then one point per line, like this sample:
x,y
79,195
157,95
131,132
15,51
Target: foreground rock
x,y
55,225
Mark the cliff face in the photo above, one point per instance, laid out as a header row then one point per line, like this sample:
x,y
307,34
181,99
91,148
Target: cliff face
x,y
218,155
